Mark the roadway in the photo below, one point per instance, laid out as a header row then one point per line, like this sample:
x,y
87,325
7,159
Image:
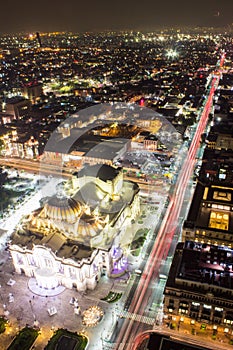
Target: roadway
x,y
130,329
36,167
46,169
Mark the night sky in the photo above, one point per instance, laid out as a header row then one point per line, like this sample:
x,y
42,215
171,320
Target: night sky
x,y
97,15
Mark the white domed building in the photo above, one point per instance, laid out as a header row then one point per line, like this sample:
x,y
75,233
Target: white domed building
x,y
71,240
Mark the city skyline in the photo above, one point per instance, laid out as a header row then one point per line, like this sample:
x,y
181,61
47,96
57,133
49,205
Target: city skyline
x,y
101,16
116,177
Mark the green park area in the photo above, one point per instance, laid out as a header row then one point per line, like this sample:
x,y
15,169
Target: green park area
x,y
63,339
13,191
112,297
3,323
138,241
24,339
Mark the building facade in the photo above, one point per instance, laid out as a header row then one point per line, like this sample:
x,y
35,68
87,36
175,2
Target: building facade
x,y
199,285
71,240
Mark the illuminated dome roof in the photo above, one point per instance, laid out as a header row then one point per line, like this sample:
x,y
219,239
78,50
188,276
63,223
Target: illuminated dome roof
x,y
62,208
89,226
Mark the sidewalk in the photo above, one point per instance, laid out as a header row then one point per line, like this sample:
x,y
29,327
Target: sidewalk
x,y
28,308
214,334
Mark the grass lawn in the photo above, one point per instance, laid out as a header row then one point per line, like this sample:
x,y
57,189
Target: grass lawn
x,y
3,323
112,297
12,189
63,339
24,339
138,241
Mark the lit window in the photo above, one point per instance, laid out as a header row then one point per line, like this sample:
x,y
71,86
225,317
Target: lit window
x,y
219,309
219,220
195,304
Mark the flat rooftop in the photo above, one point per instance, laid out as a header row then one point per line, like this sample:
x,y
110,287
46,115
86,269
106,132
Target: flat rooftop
x,y
16,99
211,208
208,264
93,146
205,265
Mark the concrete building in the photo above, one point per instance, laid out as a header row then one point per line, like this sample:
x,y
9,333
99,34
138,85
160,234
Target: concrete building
x,y
91,149
162,341
210,218
199,284
32,91
17,107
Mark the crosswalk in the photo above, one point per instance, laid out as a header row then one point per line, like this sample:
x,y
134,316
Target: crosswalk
x,y
136,317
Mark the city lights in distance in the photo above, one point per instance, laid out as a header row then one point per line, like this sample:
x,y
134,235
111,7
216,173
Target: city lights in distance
x,y
171,53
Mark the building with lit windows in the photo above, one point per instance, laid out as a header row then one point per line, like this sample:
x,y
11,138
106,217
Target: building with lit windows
x,y
199,284
17,106
76,235
16,145
91,149
32,91
210,218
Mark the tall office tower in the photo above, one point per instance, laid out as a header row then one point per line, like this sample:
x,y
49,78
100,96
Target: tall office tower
x,y
38,39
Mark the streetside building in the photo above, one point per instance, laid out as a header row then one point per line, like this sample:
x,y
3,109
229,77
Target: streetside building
x,y
210,218
200,282
91,149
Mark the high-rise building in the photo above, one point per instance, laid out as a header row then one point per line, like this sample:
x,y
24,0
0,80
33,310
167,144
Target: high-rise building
x,y
32,91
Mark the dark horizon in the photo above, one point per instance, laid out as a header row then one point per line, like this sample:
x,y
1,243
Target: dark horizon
x,y
99,16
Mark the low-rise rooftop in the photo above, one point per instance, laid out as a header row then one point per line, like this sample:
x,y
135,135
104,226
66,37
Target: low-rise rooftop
x,y
207,264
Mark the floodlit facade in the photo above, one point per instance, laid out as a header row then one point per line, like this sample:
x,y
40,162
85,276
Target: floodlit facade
x,y
74,238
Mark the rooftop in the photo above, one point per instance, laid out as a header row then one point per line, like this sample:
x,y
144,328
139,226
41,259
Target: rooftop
x,y
102,171
94,146
16,99
209,267
64,248
207,264
211,208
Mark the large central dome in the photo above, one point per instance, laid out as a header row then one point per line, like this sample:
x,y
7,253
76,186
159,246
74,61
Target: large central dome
x,y
62,208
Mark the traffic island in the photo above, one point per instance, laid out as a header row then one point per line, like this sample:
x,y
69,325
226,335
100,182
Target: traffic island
x,y
112,297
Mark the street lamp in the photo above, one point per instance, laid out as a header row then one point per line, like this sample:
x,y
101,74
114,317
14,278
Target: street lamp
x,y
34,316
